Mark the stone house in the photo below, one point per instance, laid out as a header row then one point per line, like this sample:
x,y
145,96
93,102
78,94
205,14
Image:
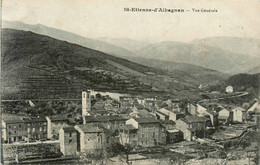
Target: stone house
x,y
13,130
173,136
193,126
55,123
167,114
239,114
36,128
91,138
68,137
225,116
149,132
191,108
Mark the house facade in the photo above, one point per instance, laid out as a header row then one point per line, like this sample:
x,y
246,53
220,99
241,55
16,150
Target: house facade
x,y
68,137
193,126
225,116
55,124
24,129
91,138
149,132
239,114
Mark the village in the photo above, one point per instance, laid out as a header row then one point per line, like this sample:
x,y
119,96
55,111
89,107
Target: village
x,y
133,130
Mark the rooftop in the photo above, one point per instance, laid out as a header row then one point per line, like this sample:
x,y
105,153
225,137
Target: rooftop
x,y
194,119
90,119
69,129
145,120
173,130
58,118
90,128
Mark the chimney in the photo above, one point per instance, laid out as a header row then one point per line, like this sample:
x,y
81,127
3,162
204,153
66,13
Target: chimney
x,y
86,105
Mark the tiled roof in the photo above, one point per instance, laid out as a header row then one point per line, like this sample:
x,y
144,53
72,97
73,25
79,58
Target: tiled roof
x,y
193,119
173,130
12,119
58,118
34,119
162,113
90,128
239,108
69,129
144,120
90,119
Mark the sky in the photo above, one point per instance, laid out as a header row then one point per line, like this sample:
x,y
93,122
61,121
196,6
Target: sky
x,y
107,18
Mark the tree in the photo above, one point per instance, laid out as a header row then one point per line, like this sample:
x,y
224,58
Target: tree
x,y
127,149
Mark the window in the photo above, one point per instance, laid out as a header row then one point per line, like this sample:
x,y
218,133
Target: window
x,y
44,128
44,123
142,135
70,140
33,129
40,129
28,130
9,127
14,126
70,134
28,124
20,126
153,134
10,133
15,132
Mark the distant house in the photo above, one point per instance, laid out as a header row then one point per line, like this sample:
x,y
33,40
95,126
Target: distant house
x,y
201,110
148,132
229,89
192,109
68,141
253,107
113,123
165,114
225,116
162,116
193,126
127,102
106,104
213,117
239,114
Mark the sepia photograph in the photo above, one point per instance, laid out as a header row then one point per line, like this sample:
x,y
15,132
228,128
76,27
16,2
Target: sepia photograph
x,y
130,82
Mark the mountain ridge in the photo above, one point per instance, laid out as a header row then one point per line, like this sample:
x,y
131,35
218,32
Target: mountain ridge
x,y
30,59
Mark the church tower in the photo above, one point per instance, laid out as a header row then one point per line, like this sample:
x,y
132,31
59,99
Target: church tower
x,y
86,105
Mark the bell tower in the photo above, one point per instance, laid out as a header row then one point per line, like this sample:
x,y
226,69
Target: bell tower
x,y
86,105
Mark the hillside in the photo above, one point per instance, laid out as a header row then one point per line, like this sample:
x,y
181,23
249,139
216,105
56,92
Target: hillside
x,y
38,63
245,81
186,71
200,55
37,66
224,54
70,37
131,45
246,46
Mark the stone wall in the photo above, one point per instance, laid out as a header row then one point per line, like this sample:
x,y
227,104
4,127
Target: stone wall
x,y
27,151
